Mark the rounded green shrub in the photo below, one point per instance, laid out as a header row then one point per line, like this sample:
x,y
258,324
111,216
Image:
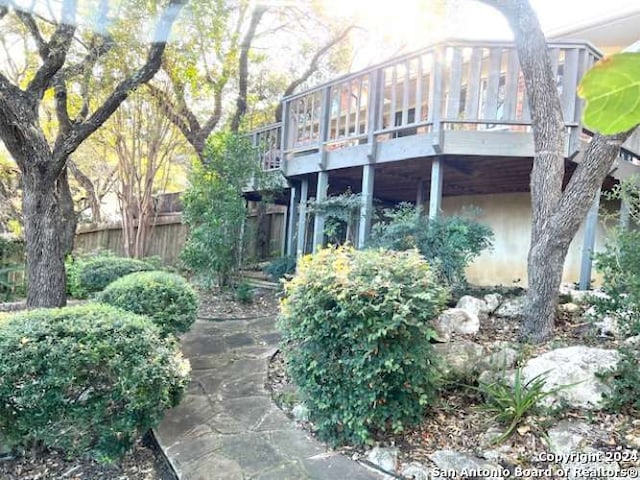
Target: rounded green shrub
x,y
356,340
85,379
166,298
86,276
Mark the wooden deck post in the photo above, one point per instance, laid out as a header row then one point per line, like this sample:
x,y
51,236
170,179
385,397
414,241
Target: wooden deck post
x,y
292,217
366,206
435,196
318,224
302,216
588,243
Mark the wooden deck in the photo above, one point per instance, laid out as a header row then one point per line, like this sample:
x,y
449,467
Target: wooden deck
x,y
455,100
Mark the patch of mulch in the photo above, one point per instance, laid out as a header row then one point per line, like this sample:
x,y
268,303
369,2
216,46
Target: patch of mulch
x,y
219,304
144,462
457,422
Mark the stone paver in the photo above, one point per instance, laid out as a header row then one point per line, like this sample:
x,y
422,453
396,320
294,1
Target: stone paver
x,y
227,427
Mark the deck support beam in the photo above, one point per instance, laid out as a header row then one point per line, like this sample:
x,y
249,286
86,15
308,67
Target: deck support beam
x,y
302,217
366,206
435,196
588,243
318,225
292,218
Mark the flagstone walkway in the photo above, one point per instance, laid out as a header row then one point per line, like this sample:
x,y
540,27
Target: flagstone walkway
x,y
227,426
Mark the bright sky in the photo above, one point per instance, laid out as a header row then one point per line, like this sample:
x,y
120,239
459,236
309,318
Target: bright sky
x,y
408,22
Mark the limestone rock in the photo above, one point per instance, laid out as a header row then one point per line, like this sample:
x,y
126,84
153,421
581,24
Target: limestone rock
x,y
415,471
568,436
385,458
493,301
460,358
456,320
570,308
608,327
511,309
474,306
576,366
502,359
300,412
632,342
463,464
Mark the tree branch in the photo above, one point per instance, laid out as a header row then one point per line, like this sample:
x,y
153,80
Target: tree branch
x,y
243,66
312,68
56,50
67,144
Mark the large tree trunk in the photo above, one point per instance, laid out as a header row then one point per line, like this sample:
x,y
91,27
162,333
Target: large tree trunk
x,y
46,238
557,214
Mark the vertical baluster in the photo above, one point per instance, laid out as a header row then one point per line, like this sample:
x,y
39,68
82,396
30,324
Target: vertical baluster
x,y
473,85
455,85
394,81
490,108
338,90
347,116
569,83
358,105
418,114
511,86
312,123
405,93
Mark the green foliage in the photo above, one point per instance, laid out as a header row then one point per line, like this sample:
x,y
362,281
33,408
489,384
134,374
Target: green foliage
x,y
619,264
448,243
625,382
88,275
85,379
356,340
280,267
166,298
341,213
611,89
11,268
215,210
244,293
509,402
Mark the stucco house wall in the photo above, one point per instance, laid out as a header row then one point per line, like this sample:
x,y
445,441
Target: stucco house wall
x,y
509,215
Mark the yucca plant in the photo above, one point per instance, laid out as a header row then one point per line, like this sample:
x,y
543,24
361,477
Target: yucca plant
x,y
510,402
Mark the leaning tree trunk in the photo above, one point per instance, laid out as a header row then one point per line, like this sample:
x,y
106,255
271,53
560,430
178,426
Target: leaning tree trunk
x,y
45,238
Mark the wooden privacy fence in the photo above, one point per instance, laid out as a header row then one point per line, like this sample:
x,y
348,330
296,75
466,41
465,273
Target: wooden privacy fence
x,y
265,236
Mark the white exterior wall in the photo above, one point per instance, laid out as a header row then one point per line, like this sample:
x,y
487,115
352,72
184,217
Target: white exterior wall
x,y
509,215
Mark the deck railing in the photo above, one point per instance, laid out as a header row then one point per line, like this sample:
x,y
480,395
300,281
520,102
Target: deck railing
x,y
456,85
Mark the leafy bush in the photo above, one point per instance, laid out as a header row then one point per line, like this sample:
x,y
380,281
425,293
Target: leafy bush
x,y
215,210
619,264
244,293
87,275
448,243
166,298
11,268
85,379
280,267
625,382
356,340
